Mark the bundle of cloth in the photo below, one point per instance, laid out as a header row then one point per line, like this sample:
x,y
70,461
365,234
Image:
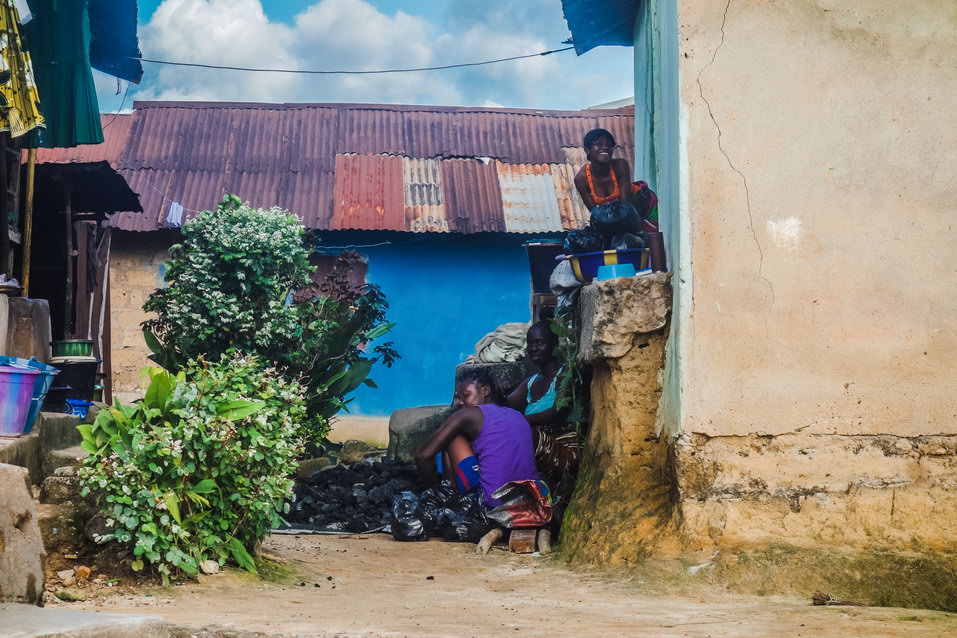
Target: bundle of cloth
x,y
505,343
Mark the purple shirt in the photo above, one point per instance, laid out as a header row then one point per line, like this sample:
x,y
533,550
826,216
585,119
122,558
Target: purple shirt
x,y
504,449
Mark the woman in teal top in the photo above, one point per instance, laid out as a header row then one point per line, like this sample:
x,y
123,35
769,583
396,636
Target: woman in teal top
x,y
556,452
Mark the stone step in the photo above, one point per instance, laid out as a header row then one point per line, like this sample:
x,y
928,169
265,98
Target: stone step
x,y
28,621
66,457
61,528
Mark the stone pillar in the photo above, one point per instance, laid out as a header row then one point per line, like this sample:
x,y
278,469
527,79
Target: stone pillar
x,y
622,505
21,547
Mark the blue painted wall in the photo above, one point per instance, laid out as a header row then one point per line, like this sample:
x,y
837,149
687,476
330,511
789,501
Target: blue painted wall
x,y
445,292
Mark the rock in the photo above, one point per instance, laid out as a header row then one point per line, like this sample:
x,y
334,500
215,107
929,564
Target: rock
x,y
209,567
21,547
82,572
66,470
71,595
60,489
96,529
65,574
354,450
309,467
409,428
615,312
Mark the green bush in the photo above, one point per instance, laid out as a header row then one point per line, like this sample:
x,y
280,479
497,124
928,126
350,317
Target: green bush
x,y
199,468
231,283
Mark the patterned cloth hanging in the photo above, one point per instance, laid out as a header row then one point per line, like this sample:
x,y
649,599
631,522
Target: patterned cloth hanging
x,y
19,99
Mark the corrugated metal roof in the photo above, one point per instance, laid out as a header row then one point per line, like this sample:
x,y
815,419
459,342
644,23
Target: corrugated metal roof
x,y
116,128
361,166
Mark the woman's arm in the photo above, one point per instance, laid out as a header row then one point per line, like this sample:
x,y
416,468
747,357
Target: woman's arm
x,y
464,422
518,399
581,184
623,174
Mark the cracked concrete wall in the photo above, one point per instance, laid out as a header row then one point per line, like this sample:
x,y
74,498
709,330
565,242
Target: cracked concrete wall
x,y
822,159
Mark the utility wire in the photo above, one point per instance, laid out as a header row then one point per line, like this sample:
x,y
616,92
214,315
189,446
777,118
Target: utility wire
x,y
380,71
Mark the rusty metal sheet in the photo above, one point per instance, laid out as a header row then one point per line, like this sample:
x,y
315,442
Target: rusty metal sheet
x,y
423,198
473,199
368,193
116,128
529,202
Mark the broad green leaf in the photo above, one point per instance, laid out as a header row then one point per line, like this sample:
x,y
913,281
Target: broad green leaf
x,y
379,330
90,447
239,409
172,503
137,565
159,390
370,383
204,487
86,431
241,556
196,498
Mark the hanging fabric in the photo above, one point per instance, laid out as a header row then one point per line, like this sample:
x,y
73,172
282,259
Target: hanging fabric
x,y
58,39
19,100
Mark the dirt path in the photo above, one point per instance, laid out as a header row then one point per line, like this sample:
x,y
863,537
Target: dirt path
x,y
374,586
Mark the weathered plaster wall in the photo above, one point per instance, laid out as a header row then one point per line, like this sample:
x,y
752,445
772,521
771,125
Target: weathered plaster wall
x,y
136,269
818,383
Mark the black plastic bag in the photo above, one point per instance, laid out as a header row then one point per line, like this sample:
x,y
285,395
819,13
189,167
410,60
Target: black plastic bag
x,y
438,504
586,240
440,511
473,523
408,521
622,241
615,217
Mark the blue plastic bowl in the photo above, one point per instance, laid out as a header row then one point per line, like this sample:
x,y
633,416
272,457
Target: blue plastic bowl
x,y
613,271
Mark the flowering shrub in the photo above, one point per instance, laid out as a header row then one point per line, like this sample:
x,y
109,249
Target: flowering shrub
x,y
230,279
232,282
199,468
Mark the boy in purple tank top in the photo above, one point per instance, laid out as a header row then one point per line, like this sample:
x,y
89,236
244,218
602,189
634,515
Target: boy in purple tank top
x,y
486,444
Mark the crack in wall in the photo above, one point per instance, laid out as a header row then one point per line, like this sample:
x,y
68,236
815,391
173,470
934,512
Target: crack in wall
x,y
744,179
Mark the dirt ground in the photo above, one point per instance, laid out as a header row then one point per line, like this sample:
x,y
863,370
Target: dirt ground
x,y
375,587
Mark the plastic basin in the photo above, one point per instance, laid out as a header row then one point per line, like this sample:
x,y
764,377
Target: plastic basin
x,y
16,393
586,265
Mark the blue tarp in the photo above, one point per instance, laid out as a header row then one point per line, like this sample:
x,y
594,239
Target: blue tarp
x,y
114,48
596,23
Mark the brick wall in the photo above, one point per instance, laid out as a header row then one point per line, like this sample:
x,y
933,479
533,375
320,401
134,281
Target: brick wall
x,y
136,269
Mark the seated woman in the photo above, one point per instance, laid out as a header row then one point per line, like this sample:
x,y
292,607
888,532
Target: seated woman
x,y
487,445
556,451
599,181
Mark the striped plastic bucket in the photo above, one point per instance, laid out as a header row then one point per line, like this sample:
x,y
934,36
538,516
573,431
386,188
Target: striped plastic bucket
x,y
16,392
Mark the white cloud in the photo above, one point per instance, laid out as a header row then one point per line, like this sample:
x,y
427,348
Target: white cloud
x,y
354,34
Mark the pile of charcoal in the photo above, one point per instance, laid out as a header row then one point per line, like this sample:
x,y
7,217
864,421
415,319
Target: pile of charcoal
x,y
350,498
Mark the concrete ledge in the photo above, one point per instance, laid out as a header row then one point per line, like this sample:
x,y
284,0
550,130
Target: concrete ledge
x,y
26,621
25,452
615,312
58,431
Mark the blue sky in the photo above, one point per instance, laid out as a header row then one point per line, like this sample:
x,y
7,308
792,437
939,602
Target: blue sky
x,y
369,34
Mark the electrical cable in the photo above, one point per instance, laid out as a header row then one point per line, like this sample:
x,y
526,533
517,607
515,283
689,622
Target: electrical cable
x,y
371,72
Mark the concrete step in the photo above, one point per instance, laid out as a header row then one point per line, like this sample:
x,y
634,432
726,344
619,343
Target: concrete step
x,y
65,457
27,621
